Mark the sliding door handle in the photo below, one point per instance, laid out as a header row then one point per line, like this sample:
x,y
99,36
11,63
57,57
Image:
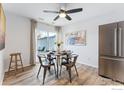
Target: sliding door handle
x,y
120,42
115,42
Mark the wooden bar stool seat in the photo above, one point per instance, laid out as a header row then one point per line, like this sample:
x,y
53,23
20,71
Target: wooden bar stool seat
x,y
15,62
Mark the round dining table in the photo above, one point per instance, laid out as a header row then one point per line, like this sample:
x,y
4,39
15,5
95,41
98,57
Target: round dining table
x,y
58,55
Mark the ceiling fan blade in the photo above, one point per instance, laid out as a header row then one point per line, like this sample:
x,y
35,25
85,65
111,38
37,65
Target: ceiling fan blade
x,y
68,18
56,18
74,10
47,11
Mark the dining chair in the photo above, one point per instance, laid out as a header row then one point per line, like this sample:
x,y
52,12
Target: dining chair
x,y
46,64
51,59
71,63
52,53
65,56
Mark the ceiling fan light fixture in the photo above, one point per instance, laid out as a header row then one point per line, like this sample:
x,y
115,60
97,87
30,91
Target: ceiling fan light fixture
x,y
62,15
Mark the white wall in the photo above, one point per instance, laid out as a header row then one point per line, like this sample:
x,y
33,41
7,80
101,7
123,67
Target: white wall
x,y
45,27
89,54
17,38
1,67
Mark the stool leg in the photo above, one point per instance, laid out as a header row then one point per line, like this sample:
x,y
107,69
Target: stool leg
x,y
21,62
10,64
15,64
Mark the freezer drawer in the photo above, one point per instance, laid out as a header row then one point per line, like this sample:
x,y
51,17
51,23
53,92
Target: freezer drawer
x,y
112,68
106,67
119,71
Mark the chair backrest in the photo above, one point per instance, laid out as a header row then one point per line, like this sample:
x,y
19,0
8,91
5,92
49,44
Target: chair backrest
x,y
49,57
74,58
40,58
66,55
52,52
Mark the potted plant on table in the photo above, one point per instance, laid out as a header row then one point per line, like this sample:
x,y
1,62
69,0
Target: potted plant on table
x,y
58,45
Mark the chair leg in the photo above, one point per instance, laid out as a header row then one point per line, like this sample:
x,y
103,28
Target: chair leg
x,y
55,69
60,69
39,71
69,71
44,75
49,69
76,70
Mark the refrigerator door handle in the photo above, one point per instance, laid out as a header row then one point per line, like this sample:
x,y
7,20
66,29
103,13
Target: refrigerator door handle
x,y
115,42
120,41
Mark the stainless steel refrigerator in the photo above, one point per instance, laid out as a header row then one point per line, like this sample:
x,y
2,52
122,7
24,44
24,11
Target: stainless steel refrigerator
x,y
111,51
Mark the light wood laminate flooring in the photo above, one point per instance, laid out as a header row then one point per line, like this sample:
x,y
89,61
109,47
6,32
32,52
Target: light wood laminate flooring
x,y
87,76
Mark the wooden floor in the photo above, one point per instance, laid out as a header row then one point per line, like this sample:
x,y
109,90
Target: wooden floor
x,y
87,76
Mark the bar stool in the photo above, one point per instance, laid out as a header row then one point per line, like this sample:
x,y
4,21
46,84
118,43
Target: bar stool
x,y
15,58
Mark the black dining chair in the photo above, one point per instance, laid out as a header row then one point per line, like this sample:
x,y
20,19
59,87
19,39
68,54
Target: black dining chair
x,y
52,53
65,56
51,59
71,63
46,64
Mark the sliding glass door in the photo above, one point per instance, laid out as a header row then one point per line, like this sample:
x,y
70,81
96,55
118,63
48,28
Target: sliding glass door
x,y
51,41
42,41
46,41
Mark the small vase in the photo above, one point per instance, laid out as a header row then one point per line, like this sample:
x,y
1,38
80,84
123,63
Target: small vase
x,y
58,49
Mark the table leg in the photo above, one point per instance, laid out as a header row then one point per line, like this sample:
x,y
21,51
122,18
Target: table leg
x,y
58,63
57,67
57,71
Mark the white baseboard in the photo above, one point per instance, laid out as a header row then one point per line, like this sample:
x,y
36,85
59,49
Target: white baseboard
x,y
89,65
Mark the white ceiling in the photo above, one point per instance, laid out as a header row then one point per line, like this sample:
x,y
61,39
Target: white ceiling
x,y
35,11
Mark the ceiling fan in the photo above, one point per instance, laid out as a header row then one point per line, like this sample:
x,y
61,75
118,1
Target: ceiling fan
x,y
64,13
